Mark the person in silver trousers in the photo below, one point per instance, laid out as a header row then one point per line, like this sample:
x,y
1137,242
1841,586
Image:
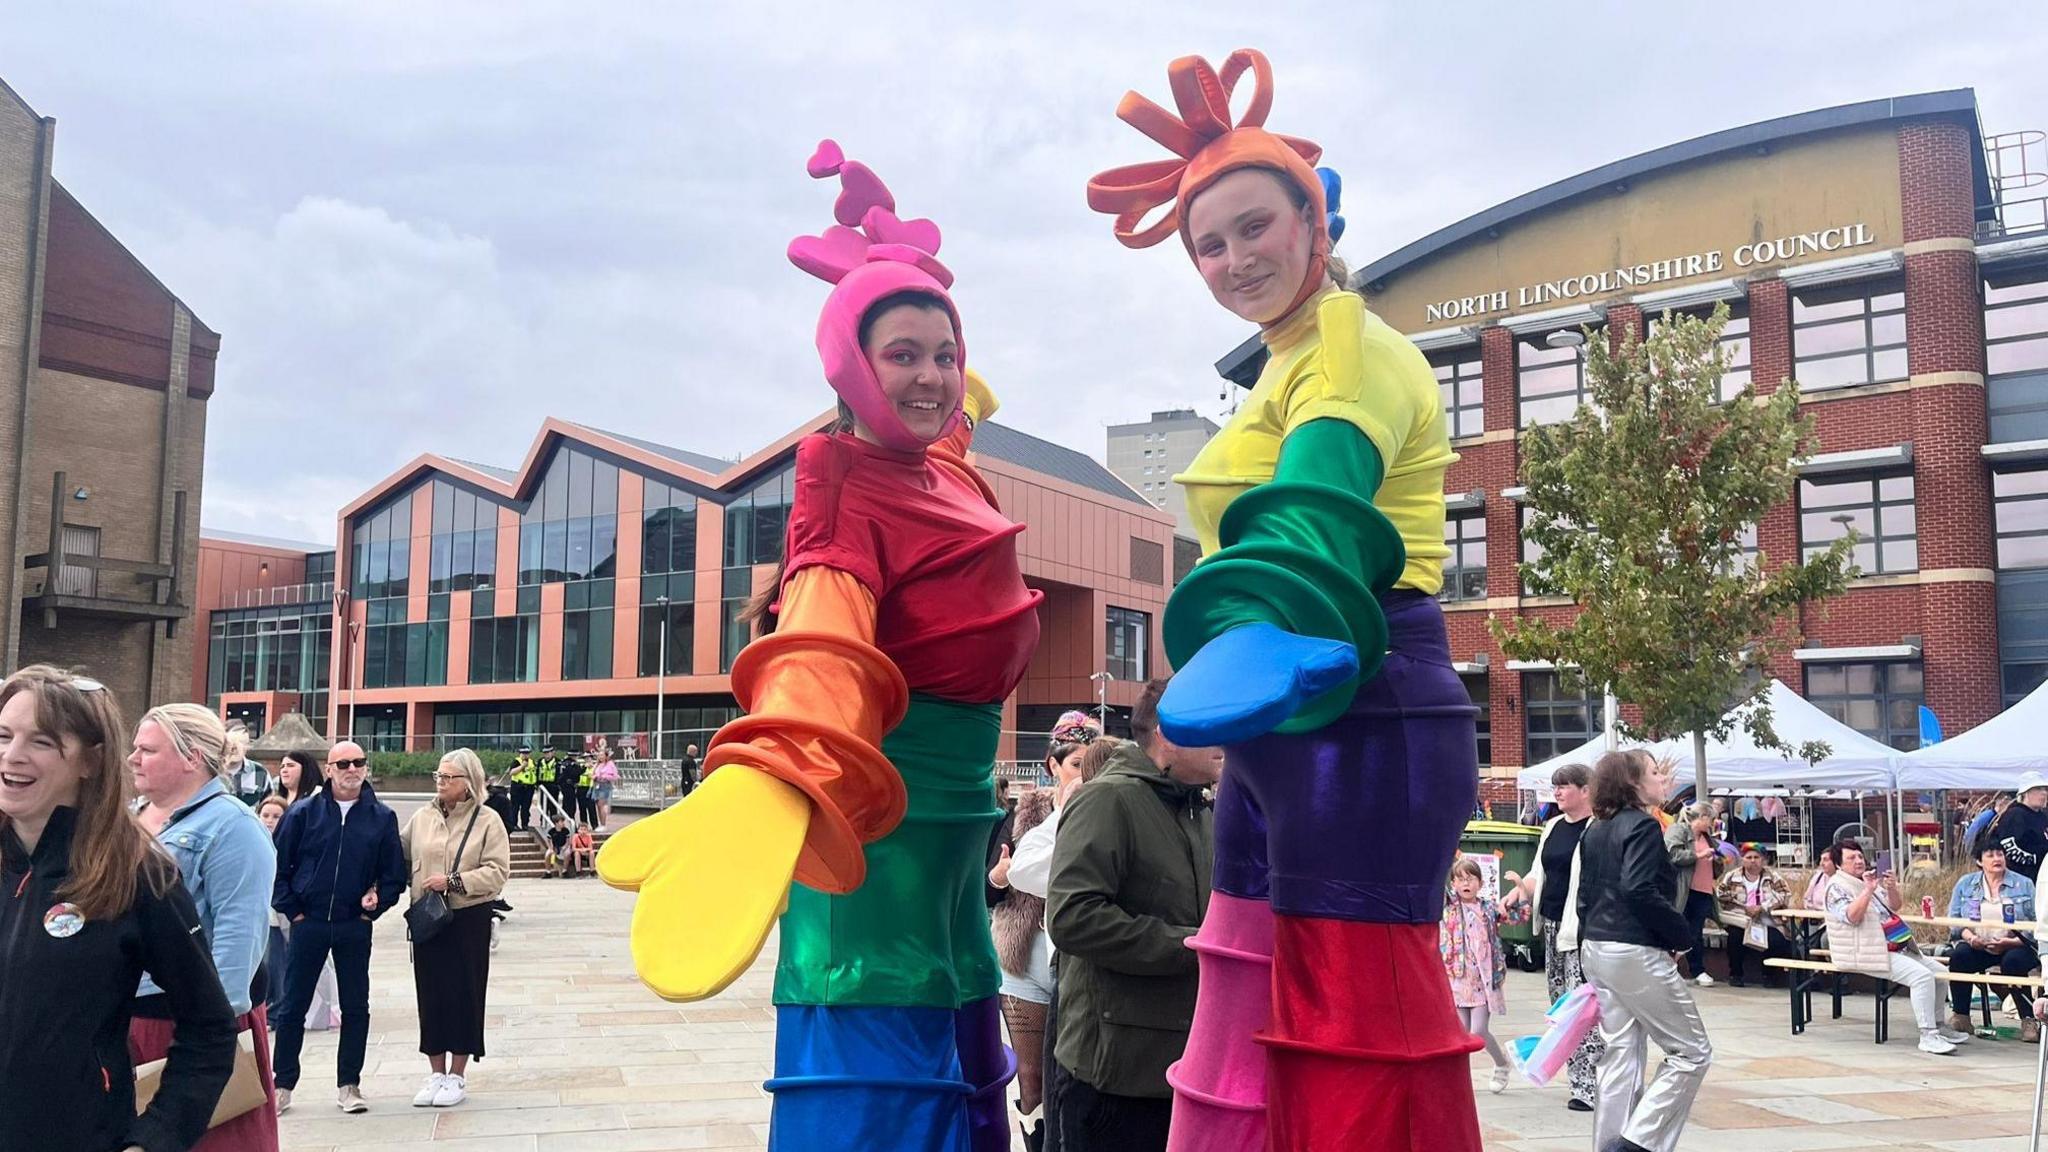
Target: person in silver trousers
x,y
1629,936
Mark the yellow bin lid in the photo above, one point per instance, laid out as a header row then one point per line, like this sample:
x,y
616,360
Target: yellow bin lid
x,y
1501,828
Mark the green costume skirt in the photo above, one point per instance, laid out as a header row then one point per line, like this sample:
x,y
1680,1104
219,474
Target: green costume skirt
x,y
916,932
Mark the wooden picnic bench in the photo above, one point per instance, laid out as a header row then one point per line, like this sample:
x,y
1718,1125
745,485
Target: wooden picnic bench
x,y
1801,989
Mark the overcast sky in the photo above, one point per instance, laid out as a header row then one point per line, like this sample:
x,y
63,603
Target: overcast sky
x,y
426,226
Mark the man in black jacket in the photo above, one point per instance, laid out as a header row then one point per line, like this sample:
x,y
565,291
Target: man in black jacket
x,y
1129,886
339,867
2023,830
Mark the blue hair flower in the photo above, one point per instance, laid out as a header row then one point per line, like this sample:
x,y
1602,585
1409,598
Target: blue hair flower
x,y
1333,201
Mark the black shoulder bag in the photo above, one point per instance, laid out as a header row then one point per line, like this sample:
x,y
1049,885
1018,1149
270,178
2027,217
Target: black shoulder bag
x,y
427,916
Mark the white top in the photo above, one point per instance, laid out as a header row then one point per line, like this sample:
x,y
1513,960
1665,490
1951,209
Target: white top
x,y
345,806
1031,859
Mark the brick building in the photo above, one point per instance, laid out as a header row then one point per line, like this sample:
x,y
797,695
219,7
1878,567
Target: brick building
x,y
489,606
1862,250
104,381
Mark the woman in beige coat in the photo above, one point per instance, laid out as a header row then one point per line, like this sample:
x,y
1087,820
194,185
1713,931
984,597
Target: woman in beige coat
x,y
452,971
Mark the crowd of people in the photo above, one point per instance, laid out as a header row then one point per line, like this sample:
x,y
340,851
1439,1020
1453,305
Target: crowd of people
x,y
172,917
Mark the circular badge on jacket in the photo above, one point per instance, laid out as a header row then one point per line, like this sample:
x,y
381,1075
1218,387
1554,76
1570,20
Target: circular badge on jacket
x,y
63,920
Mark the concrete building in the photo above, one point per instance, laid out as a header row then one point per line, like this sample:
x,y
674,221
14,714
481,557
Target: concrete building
x,y
1147,456
1884,255
597,590
104,382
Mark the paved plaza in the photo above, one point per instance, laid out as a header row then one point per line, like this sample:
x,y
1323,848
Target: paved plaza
x,y
583,1059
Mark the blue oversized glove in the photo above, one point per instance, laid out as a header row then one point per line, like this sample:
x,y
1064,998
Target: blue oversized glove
x,y
1247,682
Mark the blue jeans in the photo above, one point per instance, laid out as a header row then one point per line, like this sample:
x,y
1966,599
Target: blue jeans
x,y
312,941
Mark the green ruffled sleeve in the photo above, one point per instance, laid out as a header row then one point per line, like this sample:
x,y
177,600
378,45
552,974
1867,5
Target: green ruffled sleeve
x,y
1306,552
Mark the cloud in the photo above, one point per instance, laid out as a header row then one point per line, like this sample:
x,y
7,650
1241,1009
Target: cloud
x,y
428,227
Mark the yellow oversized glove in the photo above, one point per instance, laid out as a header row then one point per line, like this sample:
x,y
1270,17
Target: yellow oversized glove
x,y
713,873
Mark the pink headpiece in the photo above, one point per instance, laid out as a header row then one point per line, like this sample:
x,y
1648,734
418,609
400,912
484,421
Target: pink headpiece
x,y
869,254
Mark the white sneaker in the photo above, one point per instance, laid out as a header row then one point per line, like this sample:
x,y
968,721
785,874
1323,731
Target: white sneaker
x,y
1932,1044
453,1091
424,1098
1499,1083
1703,980
350,1100
284,1101
1952,1036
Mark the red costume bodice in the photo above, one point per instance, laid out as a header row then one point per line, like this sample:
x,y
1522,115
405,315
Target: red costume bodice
x,y
923,533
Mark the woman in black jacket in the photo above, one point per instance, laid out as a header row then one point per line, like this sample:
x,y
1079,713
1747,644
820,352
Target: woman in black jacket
x,y
90,904
1629,934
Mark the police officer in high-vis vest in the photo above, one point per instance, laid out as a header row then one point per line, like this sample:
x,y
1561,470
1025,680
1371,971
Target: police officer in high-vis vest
x,y
548,773
586,779
524,776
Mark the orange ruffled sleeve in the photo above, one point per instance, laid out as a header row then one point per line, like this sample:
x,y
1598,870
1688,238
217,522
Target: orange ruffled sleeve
x,y
819,697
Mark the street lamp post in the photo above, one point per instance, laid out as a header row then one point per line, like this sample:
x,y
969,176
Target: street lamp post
x,y
353,676
661,679
1102,682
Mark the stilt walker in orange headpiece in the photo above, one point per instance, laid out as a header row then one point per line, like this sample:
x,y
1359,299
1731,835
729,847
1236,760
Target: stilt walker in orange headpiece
x,y
1309,644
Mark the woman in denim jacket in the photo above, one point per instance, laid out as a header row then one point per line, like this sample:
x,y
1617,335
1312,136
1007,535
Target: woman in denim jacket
x,y
227,863
1982,895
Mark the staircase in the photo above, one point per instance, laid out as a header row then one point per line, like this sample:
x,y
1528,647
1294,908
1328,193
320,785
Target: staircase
x,y
530,853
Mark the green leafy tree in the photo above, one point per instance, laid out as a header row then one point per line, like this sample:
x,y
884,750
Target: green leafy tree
x,y
1639,505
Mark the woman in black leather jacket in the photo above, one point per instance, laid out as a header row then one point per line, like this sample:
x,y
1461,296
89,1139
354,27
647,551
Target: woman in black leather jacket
x,y
1628,937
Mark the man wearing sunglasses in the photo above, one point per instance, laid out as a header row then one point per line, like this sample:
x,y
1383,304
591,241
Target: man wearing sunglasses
x,y
339,866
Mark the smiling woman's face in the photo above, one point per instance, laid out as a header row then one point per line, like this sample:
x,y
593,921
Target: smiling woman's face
x,y
916,358
39,771
1252,244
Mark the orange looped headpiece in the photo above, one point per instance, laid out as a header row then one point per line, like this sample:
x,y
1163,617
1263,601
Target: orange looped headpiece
x,y
1208,146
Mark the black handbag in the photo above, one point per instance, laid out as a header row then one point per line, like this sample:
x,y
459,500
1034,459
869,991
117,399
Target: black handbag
x,y
427,916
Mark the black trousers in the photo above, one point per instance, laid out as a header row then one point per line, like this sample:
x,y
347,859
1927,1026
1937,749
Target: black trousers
x,y
1739,954
522,806
2017,961
1093,1121
1699,908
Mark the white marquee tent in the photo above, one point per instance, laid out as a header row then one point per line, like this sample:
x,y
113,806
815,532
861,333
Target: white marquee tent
x,y
1855,762
1990,756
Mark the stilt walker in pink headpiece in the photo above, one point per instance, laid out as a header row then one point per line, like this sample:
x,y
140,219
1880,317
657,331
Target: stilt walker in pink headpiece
x,y
864,768
1309,644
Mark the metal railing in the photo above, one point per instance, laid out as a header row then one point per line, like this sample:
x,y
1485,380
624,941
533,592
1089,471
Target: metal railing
x,y
280,595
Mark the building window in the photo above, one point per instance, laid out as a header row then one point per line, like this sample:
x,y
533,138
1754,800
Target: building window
x,y
734,630
1879,509
2016,356
1882,701
1550,382
383,551
1127,639
379,727
1465,570
757,519
570,529
464,548
680,617
1476,687
587,630
2019,507
2022,678
1459,379
668,528
1848,334
277,649
506,649
1559,717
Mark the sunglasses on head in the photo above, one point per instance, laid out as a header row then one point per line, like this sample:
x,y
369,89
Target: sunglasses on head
x,y
344,765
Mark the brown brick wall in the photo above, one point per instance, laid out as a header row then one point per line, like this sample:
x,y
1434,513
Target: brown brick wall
x,y
1770,334
1936,197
